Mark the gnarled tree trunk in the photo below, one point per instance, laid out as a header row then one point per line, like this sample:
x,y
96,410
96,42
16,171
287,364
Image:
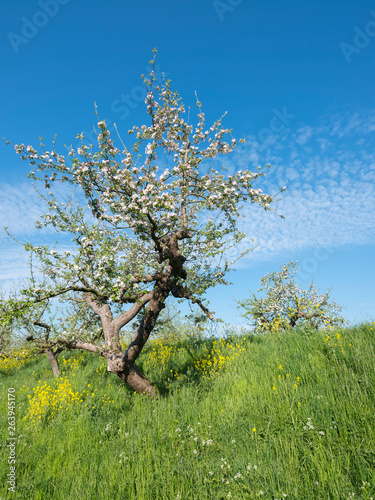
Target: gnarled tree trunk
x,y
132,376
168,282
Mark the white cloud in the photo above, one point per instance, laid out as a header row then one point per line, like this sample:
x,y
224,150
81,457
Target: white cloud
x,y
14,264
20,207
330,197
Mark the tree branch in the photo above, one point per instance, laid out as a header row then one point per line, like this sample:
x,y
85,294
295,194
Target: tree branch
x,y
137,278
182,293
25,304
85,346
101,309
127,316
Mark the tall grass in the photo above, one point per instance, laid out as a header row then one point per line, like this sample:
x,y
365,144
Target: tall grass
x,y
289,416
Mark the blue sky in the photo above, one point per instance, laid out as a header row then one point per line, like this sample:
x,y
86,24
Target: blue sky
x,y
295,78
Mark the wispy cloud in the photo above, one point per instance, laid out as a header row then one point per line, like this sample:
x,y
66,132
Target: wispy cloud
x,y
14,264
329,172
20,207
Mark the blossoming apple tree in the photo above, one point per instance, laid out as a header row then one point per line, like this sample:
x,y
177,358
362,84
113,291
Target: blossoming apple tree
x,y
141,232
286,306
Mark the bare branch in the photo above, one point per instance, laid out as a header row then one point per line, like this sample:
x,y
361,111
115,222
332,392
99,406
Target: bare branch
x,y
137,278
85,346
101,309
182,293
45,326
127,316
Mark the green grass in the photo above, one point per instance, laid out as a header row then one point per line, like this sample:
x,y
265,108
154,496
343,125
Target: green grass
x,y
293,417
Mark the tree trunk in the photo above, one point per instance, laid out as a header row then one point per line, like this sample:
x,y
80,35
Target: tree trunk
x,y
53,361
131,375
135,379
293,320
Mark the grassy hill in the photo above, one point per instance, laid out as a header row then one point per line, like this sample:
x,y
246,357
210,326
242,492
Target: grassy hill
x,y
290,416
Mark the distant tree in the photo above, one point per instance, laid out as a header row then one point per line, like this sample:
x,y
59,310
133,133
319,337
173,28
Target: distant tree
x,y
38,328
286,306
153,232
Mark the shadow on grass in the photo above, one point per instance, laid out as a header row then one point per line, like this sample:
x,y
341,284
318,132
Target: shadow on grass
x,y
187,366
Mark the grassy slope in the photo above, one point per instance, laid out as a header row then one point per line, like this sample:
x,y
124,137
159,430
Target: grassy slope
x,y
293,416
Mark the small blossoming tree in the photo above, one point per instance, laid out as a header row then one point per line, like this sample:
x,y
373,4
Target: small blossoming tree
x,y
6,328
150,232
37,327
286,306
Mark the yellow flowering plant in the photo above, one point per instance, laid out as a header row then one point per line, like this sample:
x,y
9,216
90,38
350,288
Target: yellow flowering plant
x,y
49,400
14,359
